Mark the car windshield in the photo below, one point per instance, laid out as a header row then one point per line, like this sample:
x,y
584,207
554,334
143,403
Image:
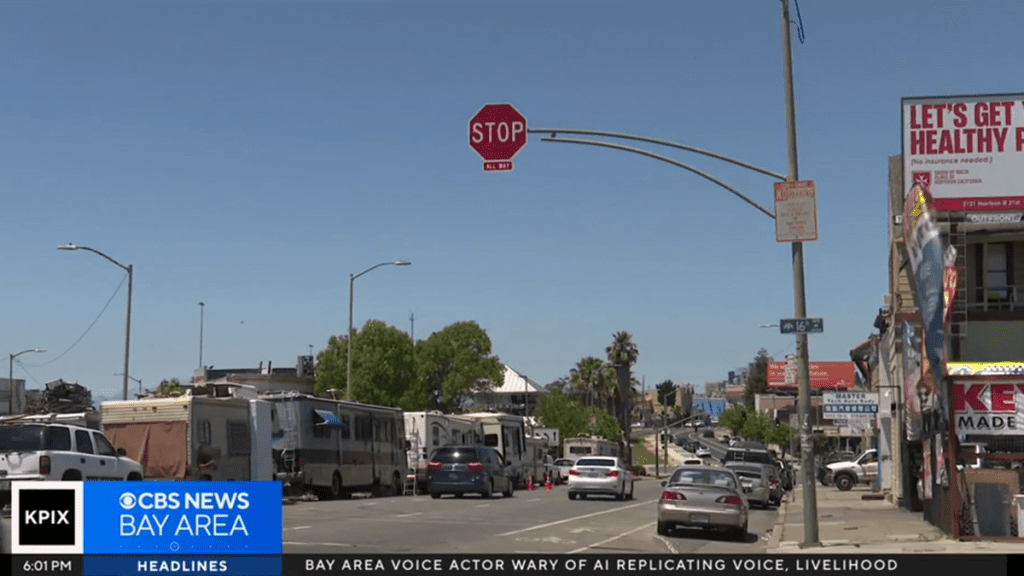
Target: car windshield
x,y
447,456
709,477
563,462
606,462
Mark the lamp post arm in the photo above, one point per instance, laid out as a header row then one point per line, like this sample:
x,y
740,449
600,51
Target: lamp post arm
x,y
116,263
724,158
672,161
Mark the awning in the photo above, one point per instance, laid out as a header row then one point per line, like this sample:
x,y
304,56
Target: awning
x,y
327,419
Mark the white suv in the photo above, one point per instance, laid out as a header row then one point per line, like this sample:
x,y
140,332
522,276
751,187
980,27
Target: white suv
x,y
44,451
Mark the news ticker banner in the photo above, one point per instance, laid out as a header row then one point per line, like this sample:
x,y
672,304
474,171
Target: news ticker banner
x,y
590,564
106,528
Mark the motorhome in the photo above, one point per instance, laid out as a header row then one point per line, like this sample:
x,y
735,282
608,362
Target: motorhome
x,y
429,430
334,448
539,462
208,433
507,434
587,445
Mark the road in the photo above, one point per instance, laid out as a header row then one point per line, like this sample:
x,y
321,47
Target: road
x,y
537,522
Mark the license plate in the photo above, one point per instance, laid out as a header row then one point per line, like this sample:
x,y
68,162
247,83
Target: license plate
x,y
594,475
699,518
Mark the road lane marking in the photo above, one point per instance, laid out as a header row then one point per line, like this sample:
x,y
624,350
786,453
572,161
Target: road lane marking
x,y
557,522
298,528
607,540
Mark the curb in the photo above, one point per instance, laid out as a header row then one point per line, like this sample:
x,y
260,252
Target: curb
x,y
775,539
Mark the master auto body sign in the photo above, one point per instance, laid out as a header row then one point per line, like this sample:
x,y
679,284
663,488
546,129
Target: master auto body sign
x,y
992,405
861,407
967,150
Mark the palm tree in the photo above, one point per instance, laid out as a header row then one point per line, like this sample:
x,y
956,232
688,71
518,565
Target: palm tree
x,y
622,354
586,379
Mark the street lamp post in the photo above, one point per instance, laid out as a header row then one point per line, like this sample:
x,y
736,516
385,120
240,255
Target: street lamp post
x,y
128,320
135,380
351,284
201,308
10,379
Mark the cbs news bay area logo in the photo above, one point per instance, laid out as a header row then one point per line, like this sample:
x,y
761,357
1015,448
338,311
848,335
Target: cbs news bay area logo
x,y
102,517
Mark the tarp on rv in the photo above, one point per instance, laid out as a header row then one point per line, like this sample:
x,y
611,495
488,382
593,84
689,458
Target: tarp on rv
x,y
158,446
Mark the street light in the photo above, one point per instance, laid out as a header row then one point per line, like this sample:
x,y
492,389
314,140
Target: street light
x,y
351,283
133,378
10,379
128,321
201,308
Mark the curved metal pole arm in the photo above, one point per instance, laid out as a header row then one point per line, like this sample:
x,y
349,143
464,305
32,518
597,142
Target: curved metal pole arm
x,y
104,255
354,276
554,131
672,161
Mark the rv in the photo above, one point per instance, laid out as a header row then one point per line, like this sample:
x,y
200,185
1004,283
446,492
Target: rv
x,y
586,445
427,431
539,462
506,433
206,434
335,447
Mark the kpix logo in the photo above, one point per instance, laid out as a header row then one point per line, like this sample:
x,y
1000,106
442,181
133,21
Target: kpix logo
x,y
48,516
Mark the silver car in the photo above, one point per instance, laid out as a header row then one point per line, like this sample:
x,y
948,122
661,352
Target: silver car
x,y
699,496
600,475
755,480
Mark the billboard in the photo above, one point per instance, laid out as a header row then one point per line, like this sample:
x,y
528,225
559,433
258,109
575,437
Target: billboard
x,y
710,406
991,406
823,376
967,150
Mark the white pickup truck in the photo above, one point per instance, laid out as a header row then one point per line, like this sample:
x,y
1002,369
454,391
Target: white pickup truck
x,y
861,470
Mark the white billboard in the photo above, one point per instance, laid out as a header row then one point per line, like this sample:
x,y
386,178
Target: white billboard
x,y
968,150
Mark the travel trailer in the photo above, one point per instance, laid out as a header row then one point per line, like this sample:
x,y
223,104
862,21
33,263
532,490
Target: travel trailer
x,y
587,445
429,430
507,434
206,434
334,447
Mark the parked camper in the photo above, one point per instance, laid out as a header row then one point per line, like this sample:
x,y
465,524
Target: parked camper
x,y
335,447
427,431
189,437
506,433
586,445
539,462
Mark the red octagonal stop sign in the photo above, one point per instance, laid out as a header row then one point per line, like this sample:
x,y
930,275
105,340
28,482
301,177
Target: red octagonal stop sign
x,y
497,132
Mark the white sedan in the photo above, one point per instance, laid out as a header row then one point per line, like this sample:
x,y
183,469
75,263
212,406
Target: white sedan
x,y
600,475
703,452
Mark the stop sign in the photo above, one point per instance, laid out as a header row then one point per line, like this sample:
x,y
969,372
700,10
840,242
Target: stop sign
x,y
497,132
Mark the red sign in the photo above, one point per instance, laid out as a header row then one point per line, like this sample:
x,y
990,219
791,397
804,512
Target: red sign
x,y
497,132
823,376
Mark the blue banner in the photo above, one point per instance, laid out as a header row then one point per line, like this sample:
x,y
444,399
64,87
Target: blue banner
x,y
221,565
182,518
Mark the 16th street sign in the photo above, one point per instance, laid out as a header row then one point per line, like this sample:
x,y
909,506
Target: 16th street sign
x,y
497,132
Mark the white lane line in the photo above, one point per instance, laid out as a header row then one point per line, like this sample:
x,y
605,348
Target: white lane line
x,y
557,522
298,528
607,540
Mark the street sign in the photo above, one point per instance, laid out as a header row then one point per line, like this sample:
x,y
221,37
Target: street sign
x,y
802,325
796,212
497,132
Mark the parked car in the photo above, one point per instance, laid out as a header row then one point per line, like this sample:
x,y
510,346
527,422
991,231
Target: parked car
x,y
703,452
606,475
786,473
460,470
562,467
749,451
847,474
823,473
755,480
45,451
703,497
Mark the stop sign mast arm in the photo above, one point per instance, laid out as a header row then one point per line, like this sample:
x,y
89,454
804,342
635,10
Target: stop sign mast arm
x,y
555,131
672,161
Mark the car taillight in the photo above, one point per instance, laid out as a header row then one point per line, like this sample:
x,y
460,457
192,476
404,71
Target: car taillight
x,y
730,500
614,473
670,495
434,466
44,464
475,466
574,472
774,481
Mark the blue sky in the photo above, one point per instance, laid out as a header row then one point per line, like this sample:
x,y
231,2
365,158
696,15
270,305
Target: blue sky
x,y
253,155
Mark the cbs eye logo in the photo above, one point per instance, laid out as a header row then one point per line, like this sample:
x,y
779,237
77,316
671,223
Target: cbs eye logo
x,y
127,501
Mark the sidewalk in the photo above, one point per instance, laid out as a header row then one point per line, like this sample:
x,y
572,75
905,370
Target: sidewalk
x,y
850,524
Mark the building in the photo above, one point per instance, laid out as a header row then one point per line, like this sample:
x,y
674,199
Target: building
x,y
517,394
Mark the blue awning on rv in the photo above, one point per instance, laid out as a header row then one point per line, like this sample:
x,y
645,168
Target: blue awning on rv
x,y
328,419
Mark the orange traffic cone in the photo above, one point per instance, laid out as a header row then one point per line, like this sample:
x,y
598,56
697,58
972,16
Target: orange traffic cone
x,y
529,483
547,482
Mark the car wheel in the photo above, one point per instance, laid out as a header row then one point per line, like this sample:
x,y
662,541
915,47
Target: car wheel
x,y
844,482
489,490
435,495
622,493
335,486
632,489
572,495
508,488
663,528
739,534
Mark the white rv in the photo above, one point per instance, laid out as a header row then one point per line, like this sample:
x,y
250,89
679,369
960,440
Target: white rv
x,y
506,433
334,447
586,445
191,437
429,430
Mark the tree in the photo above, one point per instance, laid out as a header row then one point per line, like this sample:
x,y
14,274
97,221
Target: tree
x,y
780,434
666,393
733,419
757,378
170,387
572,418
382,368
622,354
585,379
452,365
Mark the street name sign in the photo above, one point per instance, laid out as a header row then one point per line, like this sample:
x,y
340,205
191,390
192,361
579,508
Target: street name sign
x,y
802,325
497,132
